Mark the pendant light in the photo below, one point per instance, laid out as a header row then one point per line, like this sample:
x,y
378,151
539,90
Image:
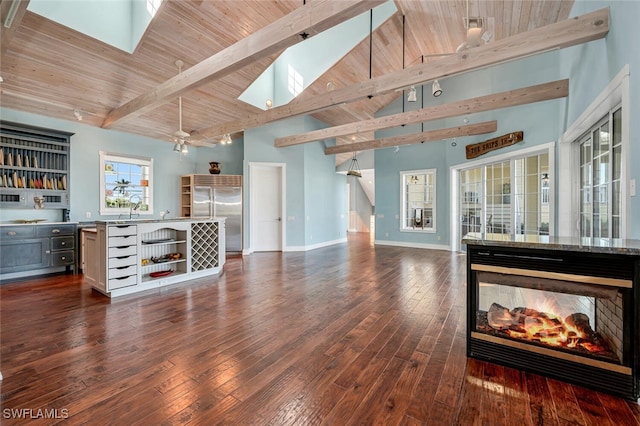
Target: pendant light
x,y
354,168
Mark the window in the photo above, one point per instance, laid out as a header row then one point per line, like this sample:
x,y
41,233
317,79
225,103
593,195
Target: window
x,y
126,184
600,177
418,200
295,83
153,6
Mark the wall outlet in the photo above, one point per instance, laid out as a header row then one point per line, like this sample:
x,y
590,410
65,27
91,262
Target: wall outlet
x,y
291,218
88,215
632,188
439,238
386,234
397,216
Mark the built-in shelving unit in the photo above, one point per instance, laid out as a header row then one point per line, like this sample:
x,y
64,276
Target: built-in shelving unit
x,y
34,167
159,252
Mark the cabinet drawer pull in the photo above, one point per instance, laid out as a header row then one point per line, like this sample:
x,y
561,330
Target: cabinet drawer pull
x,y
123,267
11,233
55,231
122,257
63,243
63,257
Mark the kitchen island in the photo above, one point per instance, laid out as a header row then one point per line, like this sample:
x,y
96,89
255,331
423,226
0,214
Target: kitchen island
x,y
129,256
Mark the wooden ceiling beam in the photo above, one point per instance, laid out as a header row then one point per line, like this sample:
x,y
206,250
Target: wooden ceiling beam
x,y
570,32
309,19
415,138
526,95
17,8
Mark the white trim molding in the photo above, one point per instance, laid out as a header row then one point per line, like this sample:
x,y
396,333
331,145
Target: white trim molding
x,y
315,246
283,208
412,245
616,93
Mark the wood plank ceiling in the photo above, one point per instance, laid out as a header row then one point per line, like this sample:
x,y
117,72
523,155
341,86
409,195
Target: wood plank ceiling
x,y
52,70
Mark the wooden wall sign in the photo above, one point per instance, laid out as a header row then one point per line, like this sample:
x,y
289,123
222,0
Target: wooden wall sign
x,y
478,149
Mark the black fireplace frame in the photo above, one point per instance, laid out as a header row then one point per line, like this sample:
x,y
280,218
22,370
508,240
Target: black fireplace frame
x,y
605,265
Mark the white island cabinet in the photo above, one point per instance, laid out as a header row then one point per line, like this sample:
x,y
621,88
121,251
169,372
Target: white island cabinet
x,y
137,255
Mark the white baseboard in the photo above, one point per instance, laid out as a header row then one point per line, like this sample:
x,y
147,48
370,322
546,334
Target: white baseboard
x,y
315,246
412,245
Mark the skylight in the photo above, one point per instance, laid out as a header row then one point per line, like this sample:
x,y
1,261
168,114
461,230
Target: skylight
x,y
120,23
300,65
295,82
152,6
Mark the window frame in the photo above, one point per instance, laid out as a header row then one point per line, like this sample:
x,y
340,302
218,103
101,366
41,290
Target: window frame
x,y
106,157
403,225
616,93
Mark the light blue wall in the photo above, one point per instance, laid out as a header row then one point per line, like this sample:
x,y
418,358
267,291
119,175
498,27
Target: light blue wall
x,y
589,67
86,143
592,66
312,187
230,157
538,121
324,195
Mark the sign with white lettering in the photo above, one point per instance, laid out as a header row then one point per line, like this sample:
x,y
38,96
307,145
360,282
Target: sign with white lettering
x,y
478,149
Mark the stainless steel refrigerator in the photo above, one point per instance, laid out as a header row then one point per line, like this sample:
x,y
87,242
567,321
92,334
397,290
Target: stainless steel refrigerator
x,y
222,201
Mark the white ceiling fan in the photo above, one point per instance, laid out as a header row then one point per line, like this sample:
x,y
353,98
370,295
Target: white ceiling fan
x,y
180,137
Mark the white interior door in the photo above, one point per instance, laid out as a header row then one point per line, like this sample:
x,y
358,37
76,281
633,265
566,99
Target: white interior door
x,y
267,232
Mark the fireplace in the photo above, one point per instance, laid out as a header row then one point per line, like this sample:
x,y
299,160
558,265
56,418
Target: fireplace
x,y
570,315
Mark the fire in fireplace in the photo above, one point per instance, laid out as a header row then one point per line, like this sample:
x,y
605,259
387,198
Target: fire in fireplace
x,y
566,315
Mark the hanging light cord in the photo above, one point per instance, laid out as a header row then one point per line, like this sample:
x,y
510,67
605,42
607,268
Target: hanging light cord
x,y
370,43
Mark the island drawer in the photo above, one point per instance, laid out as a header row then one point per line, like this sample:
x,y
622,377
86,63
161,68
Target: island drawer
x,y
122,282
118,262
122,271
122,251
125,240
116,231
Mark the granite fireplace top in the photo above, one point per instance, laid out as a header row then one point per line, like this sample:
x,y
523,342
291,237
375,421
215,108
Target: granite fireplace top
x,y
545,242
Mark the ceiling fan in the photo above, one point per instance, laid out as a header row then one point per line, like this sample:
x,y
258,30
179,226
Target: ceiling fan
x,y
180,137
476,32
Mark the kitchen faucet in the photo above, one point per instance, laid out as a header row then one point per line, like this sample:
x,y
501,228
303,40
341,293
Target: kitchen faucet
x,y
136,206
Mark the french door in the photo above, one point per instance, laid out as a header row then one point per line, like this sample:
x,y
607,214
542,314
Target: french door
x,y
508,197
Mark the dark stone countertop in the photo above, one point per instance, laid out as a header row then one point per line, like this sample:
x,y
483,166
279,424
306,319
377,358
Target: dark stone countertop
x,y
544,242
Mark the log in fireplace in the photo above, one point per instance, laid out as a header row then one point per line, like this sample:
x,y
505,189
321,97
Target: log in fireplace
x,y
567,311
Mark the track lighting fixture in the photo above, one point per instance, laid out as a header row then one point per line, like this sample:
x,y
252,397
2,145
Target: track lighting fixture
x,y
226,139
77,114
412,95
269,103
435,89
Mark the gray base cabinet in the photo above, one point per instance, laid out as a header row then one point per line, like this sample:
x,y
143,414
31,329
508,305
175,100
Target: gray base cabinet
x,y
36,248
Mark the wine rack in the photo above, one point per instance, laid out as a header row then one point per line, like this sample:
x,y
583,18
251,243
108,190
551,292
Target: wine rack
x,y
204,245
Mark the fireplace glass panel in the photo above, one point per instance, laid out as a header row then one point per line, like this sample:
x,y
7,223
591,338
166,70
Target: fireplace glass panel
x,y
581,319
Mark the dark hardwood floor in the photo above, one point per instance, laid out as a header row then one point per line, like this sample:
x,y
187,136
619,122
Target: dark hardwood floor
x,y
348,334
